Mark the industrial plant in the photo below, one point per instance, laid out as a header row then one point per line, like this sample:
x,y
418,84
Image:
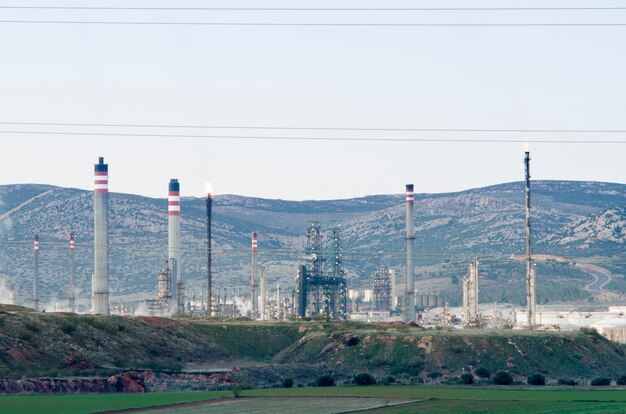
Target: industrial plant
x,y
320,288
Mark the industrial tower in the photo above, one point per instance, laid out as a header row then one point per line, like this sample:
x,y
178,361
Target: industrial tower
x,y
71,297
253,277
531,299
318,291
409,296
100,280
173,246
381,288
36,274
470,294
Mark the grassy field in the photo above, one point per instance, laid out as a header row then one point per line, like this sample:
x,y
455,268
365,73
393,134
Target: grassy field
x,y
379,399
91,403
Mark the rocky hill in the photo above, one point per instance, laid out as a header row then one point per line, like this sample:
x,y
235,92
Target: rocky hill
x,y
184,353
573,219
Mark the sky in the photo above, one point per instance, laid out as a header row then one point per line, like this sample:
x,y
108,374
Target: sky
x,y
309,77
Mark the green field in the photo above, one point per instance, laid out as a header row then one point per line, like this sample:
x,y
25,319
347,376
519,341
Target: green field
x,y
377,399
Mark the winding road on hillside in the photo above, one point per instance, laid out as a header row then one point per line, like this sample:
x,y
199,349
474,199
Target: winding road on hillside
x,y
601,276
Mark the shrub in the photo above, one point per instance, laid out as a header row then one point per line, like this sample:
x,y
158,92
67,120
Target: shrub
x,y
325,381
567,381
467,379
483,372
364,379
536,379
502,378
68,328
388,380
287,383
600,381
434,375
621,380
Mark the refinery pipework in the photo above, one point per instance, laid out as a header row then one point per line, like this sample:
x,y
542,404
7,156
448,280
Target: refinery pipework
x,y
100,282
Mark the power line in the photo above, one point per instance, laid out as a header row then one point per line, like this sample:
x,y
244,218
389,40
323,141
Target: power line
x,y
520,130
311,8
330,139
274,24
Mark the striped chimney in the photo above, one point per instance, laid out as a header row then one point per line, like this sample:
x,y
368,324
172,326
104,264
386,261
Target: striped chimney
x,y
100,280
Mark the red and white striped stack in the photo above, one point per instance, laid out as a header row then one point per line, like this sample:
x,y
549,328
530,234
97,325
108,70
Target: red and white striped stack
x,y
36,244
409,193
101,182
173,203
72,241
255,244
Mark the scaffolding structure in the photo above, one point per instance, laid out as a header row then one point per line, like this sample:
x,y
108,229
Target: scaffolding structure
x,y
381,289
321,291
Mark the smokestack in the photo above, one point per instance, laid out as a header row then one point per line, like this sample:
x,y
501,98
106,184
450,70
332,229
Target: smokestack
x,y
36,275
531,301
70,286
409,298
100,281
253,283
263,293
209,207
173,243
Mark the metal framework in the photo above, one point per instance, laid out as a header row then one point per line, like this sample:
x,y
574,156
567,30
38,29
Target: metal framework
x,y
320,291
381,288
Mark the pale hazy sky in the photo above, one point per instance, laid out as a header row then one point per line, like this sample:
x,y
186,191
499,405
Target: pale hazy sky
x,y
379,77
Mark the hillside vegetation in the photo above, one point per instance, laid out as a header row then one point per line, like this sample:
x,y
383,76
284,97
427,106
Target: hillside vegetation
x,y
42,344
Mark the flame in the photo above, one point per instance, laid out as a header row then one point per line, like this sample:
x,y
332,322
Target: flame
x,y
208,188
526,146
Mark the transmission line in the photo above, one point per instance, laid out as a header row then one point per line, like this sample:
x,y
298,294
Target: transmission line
x,y
276,24
330,139
265,127
311,8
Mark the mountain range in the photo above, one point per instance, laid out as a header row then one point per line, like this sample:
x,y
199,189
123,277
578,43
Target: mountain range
x,y
581,221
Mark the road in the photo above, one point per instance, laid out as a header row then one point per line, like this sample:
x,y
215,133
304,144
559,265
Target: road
x,y
601,277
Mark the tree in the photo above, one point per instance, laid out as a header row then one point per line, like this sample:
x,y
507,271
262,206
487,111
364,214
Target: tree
x,y
467,379
536,379
364,379
621,380
600,381
567,381
325,381
483,372
287,383
502,378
